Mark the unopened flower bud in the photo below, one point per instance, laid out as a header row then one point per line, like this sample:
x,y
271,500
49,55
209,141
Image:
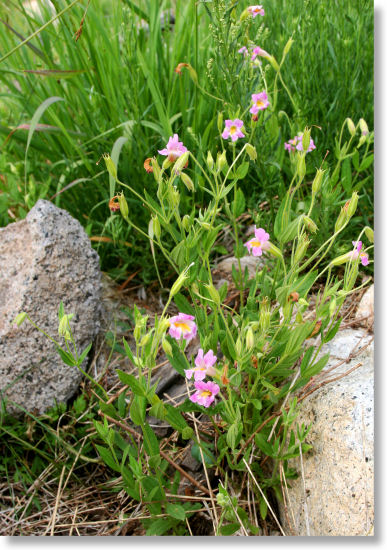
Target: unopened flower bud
x,y
64,326
221,161
20,318
220,122
166,164
254,118
287,47
238,347
301,167
250,339
316,329
301,249
156,227
309,224
163,325
306,139
303,302
343,259
180,281
316,185
210,160
124,209
274,250
145,340
273,63
205,225
187,181
213,293
369,234
293,297
363,127
341,220
156,169
174,196
251,151
352,205
111,167
166,347
351,126
332,307
187,222
181,163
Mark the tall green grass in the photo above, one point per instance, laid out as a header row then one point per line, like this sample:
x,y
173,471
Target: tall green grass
x,y
118,80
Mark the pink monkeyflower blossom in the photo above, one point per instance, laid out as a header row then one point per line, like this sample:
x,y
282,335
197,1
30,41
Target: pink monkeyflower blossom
x,y
205,394
296,143
233,129
357,252
259,51
243,50
174,148
259,243
182,326
256,10
204,365
260,102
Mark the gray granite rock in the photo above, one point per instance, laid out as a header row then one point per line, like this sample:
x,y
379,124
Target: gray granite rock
x,y
44,259
365,309
338,471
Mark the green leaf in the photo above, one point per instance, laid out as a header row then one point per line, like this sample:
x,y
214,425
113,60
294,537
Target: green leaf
x,y
175,418
242,171
183,304
234,435
138,410
230,529
150,441
66,357
366,163
115,155
132,382
263,508
346,175
61,311
317,367
159,527
331,333
267,448
107,457
84,353
176,511
239,204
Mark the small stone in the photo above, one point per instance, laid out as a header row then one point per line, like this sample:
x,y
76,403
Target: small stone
x,y
44,259
251,262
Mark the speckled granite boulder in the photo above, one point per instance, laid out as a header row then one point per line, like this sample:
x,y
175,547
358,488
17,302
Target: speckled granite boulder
x,y
339,470
44,259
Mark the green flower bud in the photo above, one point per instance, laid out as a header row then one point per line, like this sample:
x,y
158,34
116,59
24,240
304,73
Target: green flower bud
x,y
301,249
181,163
363,127
343,259
156,169
273,63
369,234
238,347
250,339
174,196
351,126
64,326
275,251
111,167
220,122
332,307
20,318
213,293
205,225
341,220
306,139
288,45
156,227
210,160
187,181
303,302
180,281
351,209
316,185
145,340
251,151
167,347
124,209
166,164
163,325
221,161
301,168
309,224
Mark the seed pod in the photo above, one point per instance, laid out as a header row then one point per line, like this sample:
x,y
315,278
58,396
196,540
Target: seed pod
x,y
187,181
156,227
124,209
166,347
369,234
352,205
341,220
210,160
250,339
111,167
221,161
316,185
309,224
351,126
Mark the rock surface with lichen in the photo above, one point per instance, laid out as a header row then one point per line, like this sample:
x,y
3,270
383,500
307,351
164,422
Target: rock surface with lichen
x,y
44,259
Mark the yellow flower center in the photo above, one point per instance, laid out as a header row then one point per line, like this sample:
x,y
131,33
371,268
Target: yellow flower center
x,y
183,326
233,129
259,103
256,243
206,393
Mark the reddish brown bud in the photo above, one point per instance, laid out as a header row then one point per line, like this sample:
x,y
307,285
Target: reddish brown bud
x,y
114,204
293,297
180,66
254,118
148,165
316,329
223,377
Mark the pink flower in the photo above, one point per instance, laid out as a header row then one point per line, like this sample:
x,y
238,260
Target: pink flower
x,y
296,143
260,102
205,394
182,326
233,129
357,252
174,148
256,10
259,51
243,50
204,365
259,243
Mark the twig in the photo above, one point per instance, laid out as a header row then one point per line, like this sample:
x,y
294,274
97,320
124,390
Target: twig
x,y
265,499
304,487
58,495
